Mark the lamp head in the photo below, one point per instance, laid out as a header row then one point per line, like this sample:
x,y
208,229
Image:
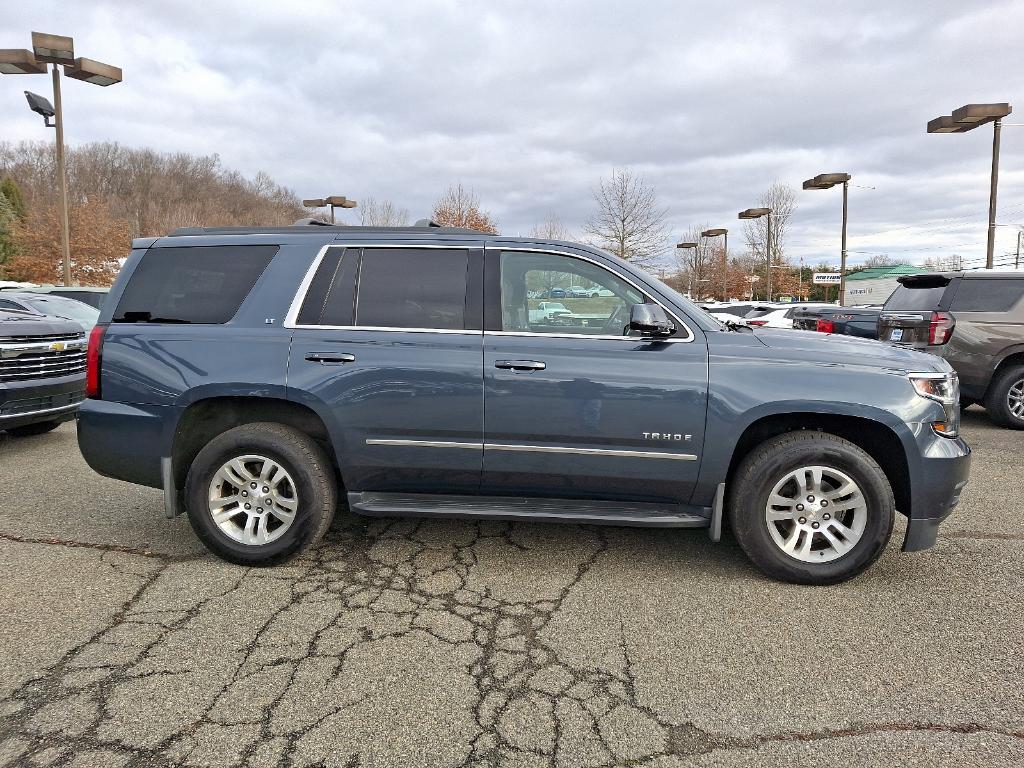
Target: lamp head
x,y
41,106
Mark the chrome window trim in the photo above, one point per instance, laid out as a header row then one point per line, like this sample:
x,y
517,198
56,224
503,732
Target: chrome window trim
x,y
523,448
596,263
300,295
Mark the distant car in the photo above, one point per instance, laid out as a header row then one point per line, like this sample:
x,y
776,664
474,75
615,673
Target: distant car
x,y
52,305
91,295
975,321
601,293
861,322
737,309
775,315
554,293
549,310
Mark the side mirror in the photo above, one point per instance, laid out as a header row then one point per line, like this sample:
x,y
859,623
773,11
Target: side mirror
x,y
650,320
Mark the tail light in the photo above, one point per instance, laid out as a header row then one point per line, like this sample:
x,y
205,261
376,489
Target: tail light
x,y
93,359
757,322
825,326
940,328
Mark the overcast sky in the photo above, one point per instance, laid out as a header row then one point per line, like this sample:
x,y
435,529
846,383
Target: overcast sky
x,y
530,103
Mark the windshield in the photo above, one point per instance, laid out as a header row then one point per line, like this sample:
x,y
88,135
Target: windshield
x,y
69,308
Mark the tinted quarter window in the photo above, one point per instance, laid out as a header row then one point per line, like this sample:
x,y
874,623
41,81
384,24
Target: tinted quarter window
x,y
913,298
987,295
202,284
412,288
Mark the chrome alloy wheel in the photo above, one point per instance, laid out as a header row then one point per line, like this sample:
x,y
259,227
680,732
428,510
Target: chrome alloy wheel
x,y
816,514
1015,399
252,499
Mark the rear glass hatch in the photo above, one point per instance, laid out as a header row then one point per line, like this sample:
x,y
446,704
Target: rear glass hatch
x,y
913,313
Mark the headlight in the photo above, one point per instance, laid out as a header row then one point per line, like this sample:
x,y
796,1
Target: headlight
x,y
943,388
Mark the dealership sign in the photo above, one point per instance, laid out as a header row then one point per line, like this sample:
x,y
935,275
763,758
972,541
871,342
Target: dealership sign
x,y
827,278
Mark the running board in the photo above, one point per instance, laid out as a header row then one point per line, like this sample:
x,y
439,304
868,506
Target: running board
x,y
539,510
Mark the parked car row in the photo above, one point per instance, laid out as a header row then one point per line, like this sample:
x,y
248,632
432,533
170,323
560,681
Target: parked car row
x,y
973,319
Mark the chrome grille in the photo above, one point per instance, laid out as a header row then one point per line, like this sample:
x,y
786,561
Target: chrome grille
x,y
41,357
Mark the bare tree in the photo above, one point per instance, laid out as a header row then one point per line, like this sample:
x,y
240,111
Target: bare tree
x,y
696,264
628,222
551,229
879,260
781,199
382,213
460,207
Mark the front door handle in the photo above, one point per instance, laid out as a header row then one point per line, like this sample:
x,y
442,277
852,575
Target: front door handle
x,y
330,358
520,365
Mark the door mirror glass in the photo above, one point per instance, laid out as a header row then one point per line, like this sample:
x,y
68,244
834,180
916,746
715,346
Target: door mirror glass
x,y
650,320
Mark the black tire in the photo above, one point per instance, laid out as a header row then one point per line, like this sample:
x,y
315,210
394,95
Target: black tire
x,y
996,402
300,456
39,428
767,464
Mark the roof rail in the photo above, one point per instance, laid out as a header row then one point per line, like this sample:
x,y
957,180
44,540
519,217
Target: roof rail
x,y
321,228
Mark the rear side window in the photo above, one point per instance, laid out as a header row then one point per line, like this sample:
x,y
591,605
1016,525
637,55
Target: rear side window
x,y
913,298
201,284
987,295
412,288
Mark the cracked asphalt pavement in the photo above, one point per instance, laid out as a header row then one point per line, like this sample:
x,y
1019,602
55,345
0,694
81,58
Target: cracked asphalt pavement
x,y
432,643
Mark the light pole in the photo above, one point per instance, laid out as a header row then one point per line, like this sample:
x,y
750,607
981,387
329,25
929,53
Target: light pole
x,y
756,213
334,201
827,181
684,246
59,51
725,257
967,118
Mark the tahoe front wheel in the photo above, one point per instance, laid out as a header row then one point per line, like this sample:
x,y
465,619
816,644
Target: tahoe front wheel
x,y
260,493
811,508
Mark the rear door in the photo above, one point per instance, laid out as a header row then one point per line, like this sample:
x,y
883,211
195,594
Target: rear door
x,y
387,344
906,317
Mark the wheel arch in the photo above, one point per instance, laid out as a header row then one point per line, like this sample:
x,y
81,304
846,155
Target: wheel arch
x,y
875,437
204,419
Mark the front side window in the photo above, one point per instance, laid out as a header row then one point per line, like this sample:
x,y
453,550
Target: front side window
x,y
412,288
551,293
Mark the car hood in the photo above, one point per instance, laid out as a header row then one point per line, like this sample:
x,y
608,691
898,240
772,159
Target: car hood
x,y
24,324
830,349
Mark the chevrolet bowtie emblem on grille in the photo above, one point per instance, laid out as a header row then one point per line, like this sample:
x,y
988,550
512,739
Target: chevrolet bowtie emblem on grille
x,y
58,346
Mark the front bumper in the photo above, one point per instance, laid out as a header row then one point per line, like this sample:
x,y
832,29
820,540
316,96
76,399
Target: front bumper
x,y
945,467
39,400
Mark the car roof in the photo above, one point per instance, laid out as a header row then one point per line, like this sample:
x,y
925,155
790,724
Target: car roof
x,y
54,288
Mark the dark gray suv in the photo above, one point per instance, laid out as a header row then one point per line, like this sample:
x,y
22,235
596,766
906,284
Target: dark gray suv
x,y
261,375
975,321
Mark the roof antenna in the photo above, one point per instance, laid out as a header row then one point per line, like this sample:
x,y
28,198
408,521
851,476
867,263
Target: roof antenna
x,y
426,223
314,222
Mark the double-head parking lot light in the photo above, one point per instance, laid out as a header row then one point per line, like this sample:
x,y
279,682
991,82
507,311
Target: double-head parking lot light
x,y
827,181
756,213
333,201
58,50
724,233
967,118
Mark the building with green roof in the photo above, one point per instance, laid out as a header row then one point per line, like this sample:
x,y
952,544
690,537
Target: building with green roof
x,y
874,284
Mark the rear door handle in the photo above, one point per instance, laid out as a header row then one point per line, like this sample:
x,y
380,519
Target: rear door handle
x,y
330,358
520,365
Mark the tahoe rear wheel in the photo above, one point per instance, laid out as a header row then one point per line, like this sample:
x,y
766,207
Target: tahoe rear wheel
x,y
1004,400
260,493
811,508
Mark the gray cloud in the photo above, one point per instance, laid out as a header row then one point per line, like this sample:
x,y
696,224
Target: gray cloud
x,y
530,103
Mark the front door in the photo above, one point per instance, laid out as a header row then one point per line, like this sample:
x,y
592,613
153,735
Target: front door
x,y
573,407
387,348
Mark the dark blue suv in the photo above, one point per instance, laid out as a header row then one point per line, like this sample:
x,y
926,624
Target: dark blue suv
x,y
254,374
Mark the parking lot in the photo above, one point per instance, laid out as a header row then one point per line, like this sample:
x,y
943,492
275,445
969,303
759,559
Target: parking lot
x,y
404,642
